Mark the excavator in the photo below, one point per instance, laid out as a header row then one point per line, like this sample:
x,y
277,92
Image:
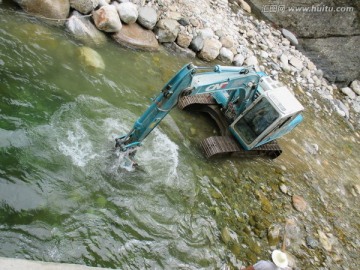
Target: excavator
x,y
250,108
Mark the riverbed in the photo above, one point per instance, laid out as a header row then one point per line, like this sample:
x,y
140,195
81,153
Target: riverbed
x,y
66,196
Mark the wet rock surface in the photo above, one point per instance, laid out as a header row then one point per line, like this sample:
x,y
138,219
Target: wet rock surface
x,y
136,37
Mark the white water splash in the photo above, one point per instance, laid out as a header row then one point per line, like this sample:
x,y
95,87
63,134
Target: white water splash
x,y
77,145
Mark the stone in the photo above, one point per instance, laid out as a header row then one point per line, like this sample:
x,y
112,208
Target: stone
x,y
173,47
91,59
210,50
225,235
174,15
227,41
347,91
197,43
83,30
84,6
54,9
245,6
264,54
355,86
342,109
311,242
103,3
284,59
311,65
238,60
147,17
128,12
107,19
299,203
136,37
167,30
251,61
183,40
290,36
296,62
226,55
325,241
206,33
283,188
184,21
273,234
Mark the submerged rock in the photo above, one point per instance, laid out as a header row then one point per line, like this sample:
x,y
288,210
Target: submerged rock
x,y
136,37
91,59
299,203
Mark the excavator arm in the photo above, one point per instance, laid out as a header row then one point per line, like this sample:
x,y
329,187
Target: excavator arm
x,y
189,80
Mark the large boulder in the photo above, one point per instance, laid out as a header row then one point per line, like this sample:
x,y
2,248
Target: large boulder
x,y
136,37
128,12
167,30
83,30
210,50
147,17
84,6
107,19
54,9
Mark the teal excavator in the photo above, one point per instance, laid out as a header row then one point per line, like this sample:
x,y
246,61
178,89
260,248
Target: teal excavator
x,y
250,108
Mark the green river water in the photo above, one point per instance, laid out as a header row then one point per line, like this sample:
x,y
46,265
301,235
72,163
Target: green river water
x,y
65,197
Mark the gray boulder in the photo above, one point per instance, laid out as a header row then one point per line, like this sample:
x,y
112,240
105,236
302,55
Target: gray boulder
x,y
251,61
290,36
107,19
147,17
136,37
54,9
84,6
238,60
83,30
210,50
355,86
226,55
197,43
128,12
350,93
167,30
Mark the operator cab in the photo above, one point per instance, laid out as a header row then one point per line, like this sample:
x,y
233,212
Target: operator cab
x,y
274,113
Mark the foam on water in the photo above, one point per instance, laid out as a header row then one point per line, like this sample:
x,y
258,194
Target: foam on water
x,y
86,140
77,145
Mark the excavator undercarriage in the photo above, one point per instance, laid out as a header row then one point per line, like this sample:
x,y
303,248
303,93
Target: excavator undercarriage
x,y
226,144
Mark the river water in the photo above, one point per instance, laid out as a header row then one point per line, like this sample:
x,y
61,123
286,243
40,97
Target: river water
x,y
65,195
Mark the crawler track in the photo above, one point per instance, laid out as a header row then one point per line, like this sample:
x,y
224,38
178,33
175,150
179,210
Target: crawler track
x,y
226,144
